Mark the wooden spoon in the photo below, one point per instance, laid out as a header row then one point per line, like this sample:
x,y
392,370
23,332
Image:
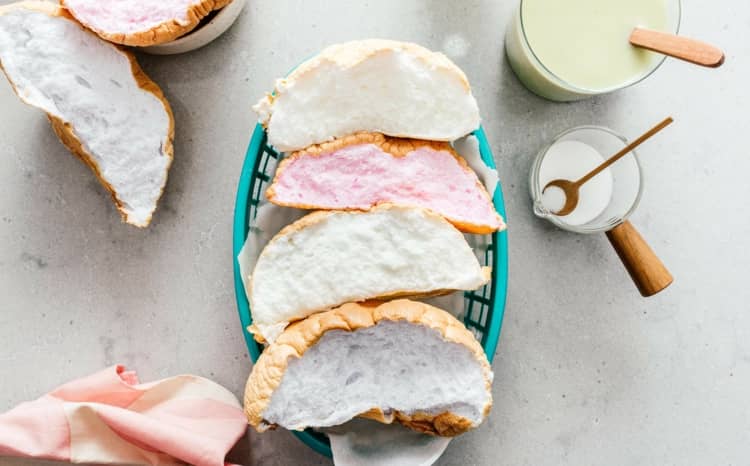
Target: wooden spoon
x,y
690,50
648,272
645,268
571,188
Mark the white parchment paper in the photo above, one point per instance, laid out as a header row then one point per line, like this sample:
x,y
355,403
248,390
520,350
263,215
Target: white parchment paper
x,y
363,442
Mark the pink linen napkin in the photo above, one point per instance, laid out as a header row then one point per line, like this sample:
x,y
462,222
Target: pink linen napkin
x,y
109,417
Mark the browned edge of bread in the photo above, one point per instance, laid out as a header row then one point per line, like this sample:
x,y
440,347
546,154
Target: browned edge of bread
x,y
396,147
65,131
269,370
351,53
486,272
163,32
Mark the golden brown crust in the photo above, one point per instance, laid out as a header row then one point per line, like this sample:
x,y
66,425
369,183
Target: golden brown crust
x,y
163,32
397,147
444,424
349,54
65,131
486,276
319,216
299,337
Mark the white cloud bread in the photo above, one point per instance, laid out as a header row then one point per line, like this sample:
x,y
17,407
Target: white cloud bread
x,y
326,259
101,104
395,88
401,361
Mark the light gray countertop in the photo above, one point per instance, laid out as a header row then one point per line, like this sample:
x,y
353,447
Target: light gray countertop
x,y
587,371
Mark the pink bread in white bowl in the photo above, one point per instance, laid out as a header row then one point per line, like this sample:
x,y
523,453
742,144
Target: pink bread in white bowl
x,y
141,22
363,170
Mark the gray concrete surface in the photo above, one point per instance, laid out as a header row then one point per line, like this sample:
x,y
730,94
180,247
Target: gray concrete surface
x,y
587,371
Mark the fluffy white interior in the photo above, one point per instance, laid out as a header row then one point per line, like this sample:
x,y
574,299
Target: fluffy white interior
x,y
356,256
72,74
392,366
392,92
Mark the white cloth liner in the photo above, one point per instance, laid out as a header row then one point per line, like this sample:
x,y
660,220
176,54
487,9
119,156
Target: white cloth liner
x,y
363,442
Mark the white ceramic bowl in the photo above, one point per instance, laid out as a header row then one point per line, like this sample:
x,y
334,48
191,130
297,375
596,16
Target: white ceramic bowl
x,y
201,35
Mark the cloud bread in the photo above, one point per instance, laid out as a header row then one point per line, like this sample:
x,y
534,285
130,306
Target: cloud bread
x,y
326,259
402,361
101,104
141,22
396,88
366,169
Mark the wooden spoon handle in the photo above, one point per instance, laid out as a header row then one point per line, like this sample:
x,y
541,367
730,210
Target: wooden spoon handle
x,y
690,50
646,270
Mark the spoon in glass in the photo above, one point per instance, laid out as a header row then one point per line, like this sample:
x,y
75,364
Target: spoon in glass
x,y
571,188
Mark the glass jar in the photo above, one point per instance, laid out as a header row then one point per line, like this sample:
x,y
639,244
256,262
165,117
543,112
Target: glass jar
x,y
539,79
627,179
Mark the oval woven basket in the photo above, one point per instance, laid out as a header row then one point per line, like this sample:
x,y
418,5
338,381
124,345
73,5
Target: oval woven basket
x,y
483,308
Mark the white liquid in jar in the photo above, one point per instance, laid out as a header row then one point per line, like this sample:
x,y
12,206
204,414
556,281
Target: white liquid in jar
x,y
567,50
570,160
585,42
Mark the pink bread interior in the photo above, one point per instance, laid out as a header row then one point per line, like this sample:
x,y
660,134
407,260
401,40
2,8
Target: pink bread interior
x,y
130,16
364,170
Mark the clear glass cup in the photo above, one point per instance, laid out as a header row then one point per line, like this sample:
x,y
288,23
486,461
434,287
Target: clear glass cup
x,y
627,179
543,82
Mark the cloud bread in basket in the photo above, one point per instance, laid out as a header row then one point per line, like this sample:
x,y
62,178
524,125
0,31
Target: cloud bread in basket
x,y
366,169
327,259
378,154
395,88
401,361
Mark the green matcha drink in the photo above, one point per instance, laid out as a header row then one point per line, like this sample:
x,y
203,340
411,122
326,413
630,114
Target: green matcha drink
x,y
572,49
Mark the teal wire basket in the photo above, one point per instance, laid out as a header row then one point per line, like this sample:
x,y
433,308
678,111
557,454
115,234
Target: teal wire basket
x,y
483,308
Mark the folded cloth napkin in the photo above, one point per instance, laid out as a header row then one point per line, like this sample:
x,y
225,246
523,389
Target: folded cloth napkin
x,y
109,417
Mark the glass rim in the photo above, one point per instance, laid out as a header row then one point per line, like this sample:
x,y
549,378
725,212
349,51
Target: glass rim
x,y
536,193
582,90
